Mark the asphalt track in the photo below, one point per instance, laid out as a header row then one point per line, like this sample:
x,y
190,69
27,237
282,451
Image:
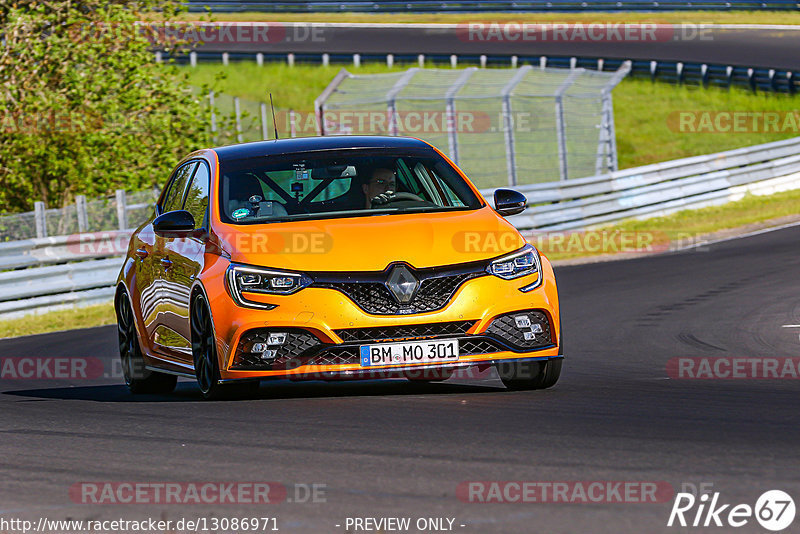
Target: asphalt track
x,y
765,47
398,449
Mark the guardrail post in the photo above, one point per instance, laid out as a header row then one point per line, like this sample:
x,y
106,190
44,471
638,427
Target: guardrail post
x,y
704,74
290,59
83,216
751,79
514,61
653,70
421,60
679,72
483,61
193,58
122,209
453,61
729,75
238,113
790,82
390,60
772,79
326,59
264,125
600,64
356,60
542,62
39,217
225,58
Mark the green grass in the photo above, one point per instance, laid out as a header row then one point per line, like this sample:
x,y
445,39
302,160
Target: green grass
x,y
644,115
709,17
642,109
85,317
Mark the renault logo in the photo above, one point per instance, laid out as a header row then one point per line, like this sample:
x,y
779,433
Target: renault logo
x,y
402,283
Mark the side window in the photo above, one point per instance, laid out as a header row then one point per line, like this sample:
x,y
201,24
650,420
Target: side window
x,y
197,195
174,198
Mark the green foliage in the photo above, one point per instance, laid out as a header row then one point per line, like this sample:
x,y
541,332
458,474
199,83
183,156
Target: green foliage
x,y
84,109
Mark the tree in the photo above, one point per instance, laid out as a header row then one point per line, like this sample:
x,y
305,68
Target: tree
x,y
85,109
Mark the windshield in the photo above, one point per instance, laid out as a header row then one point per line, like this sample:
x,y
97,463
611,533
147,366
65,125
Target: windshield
x,y
340,183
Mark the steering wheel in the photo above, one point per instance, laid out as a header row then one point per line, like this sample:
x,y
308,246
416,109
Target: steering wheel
x,y
390,196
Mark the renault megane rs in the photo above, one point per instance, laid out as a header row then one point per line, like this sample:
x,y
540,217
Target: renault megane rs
x,y
332,258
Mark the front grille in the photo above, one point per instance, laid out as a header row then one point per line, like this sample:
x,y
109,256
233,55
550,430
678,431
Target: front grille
x,y
505,329
371,295
385,333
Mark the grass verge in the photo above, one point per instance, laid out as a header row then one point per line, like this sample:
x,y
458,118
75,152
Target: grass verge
x,y
72,319
680,229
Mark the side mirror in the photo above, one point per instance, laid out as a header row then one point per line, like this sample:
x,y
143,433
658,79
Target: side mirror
x,y
176,223
509,202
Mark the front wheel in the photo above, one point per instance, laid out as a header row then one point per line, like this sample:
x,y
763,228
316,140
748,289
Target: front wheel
x,y
204,352
529,375
138,378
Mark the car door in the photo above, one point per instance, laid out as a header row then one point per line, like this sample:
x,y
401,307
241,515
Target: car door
x,y
168,308
186,255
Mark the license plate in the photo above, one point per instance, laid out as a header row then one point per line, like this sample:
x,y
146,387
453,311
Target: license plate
x,y
409,352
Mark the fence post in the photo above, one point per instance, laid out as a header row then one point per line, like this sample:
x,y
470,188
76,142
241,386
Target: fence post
x,y
122,209
561,130
213,117
508,123
39,216
83,216
238,113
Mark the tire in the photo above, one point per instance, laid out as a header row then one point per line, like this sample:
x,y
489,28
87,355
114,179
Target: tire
x,y
530,375
429,375
204,354
138,379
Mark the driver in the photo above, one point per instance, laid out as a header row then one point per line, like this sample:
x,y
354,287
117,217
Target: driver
x,y
382,180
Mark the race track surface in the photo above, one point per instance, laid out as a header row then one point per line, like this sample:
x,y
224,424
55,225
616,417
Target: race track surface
x,y
389,449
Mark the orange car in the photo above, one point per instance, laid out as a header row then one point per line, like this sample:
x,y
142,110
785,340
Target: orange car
x,y
332,258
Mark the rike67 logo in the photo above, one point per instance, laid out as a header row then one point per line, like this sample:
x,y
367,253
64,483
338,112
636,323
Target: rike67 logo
x,y
774,510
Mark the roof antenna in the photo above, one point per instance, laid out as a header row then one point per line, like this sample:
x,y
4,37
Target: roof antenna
x,y
274,121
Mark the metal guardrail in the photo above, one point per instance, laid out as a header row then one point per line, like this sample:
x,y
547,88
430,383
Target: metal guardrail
x,y
661,188
64,271
371,6
753,78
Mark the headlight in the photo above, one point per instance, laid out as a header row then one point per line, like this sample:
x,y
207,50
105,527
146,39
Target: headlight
x,y
523,262
243,278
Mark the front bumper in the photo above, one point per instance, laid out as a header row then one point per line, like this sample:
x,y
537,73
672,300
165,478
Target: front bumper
x,y
326,328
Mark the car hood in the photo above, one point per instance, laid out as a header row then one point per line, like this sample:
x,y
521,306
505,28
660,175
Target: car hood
x,y
372,243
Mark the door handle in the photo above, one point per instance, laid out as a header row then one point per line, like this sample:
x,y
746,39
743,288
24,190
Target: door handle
x,y
166,263
142,252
